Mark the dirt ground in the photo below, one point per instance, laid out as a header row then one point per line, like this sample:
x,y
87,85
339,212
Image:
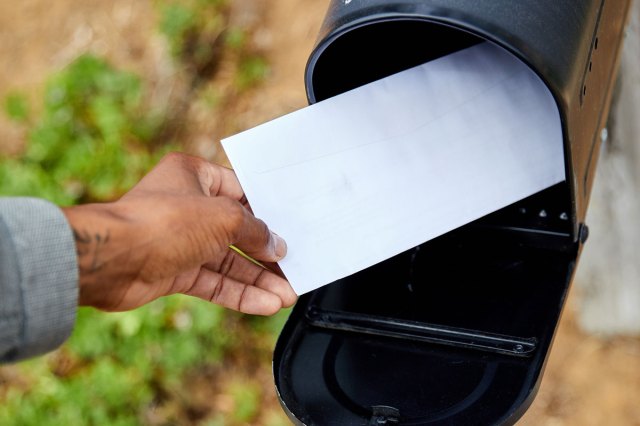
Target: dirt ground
x,y
588,380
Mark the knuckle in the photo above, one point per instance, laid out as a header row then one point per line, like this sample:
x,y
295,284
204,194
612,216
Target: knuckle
x,y
185,160
206,171
288,298
227,264
234,214
198,162
242,301
266,233
291,300
173,157
217,290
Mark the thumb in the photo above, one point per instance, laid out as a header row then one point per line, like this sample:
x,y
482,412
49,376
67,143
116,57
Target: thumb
x,y
253,237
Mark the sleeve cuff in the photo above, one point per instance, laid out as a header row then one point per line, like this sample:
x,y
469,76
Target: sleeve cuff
x,y
47,274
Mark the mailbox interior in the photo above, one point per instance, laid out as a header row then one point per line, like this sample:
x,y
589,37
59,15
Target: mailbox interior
x,y
454,331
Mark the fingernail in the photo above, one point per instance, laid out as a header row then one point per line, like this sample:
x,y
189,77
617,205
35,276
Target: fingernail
x,y
280,245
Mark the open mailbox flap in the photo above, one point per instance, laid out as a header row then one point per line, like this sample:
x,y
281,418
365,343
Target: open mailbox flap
x,y
455,331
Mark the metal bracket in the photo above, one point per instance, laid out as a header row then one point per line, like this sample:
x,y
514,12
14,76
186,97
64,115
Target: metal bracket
x,y
421,332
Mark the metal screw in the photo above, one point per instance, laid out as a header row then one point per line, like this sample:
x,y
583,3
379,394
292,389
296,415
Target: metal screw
x,y
564,216
584,233
518,348
543,213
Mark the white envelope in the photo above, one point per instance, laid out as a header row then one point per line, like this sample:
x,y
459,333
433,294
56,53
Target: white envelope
x,y
358,178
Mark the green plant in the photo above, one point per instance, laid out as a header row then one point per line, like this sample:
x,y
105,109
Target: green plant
x,y
194,31
251,70
168,336
246,397
178,21
16,107
116,363
235,39
197,33
92,141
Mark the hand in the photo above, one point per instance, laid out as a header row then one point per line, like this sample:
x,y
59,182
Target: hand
x,y
171,234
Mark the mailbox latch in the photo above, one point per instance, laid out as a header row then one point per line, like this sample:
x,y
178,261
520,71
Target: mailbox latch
x,y
384,415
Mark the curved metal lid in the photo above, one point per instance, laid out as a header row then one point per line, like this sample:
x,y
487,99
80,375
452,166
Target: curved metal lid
x,y
573,47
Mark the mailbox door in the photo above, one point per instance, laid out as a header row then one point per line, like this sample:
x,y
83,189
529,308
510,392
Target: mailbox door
x,y
455,331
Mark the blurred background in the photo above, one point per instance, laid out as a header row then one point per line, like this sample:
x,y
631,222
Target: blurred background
x,y
94,92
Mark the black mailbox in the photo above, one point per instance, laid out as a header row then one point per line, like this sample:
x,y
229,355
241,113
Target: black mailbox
x,y
457,330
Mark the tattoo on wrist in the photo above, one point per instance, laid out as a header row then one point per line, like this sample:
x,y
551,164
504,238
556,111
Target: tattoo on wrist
x,y
89,248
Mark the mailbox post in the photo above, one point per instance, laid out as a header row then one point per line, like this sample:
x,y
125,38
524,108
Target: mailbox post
x,y
457,330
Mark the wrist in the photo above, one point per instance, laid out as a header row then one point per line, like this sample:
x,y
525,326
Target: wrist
x,y
101,237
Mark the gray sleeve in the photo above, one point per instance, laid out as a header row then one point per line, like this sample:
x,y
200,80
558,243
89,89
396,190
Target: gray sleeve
x,y
38,278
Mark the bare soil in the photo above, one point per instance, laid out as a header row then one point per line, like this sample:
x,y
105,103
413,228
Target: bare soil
x,y
588,381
